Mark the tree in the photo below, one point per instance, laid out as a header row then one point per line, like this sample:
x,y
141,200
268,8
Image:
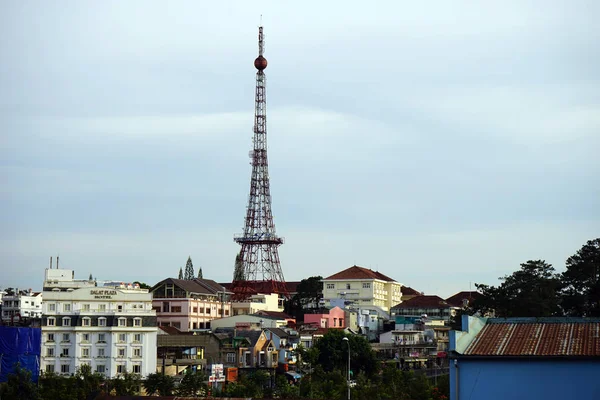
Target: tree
x,y
238,270
189,269
180,273
308,294
333,353
532,291
126,384
86,382
199,272
192,384
159,383
581,281
143,285
19,386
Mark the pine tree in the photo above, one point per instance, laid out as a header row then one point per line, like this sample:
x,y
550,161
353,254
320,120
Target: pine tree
x,y
180,273
189,269
238,271
200,273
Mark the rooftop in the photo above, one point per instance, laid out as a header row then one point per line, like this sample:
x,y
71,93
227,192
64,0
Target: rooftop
x,y
356,272
424,301
408,291
537,337
457,299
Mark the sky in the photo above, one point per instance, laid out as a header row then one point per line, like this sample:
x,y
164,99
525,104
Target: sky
x,y
440,143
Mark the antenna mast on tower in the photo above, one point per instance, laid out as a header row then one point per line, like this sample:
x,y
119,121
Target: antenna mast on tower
x,y
258,266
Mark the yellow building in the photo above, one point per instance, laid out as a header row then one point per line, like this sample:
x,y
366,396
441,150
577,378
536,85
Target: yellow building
x,y
361,287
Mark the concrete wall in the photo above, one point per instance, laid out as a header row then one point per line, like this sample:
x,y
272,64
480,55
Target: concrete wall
x,y
525,379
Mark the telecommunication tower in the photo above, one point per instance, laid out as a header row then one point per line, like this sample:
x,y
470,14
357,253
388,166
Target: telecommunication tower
x,y
258,269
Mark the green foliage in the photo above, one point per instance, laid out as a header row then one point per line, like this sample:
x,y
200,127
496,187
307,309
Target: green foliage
x,y
189,269
164,385
581,282
333,353
192,384
143,285
19,386
308,292
126,384
284,390
180,273
531,291
238,270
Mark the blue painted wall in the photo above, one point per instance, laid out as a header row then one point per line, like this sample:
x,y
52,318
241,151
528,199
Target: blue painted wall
x,y
525,379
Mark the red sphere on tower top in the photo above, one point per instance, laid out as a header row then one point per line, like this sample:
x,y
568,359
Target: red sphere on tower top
x,y
260,63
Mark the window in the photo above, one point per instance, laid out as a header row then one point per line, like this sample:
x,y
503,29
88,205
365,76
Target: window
x,y
121,369
207,310
51,321
64,368
50,352
66,307
137,337
195,325
51,337
119,308
121,353
86,322
230,358
366,286
101,338
101,321
176,309
65,352
137,369
100,369
331,286
86,307
85,352
165,306
122,321
101,353
50,368
122,337
176,325
347,286
52,307
102,307
196,310
137,352
85,337
227,312
137,322
66,321
66,337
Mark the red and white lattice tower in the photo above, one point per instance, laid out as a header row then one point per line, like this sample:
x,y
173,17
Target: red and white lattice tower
x,y
258,269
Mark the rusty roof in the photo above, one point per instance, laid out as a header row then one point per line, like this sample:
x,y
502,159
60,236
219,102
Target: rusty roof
x,y
537,337
356,272
408,291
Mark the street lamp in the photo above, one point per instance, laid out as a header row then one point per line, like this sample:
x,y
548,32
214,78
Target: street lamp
x,y
345,339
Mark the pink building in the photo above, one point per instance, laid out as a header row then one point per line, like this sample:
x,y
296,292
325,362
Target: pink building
x,y
189,304
327,318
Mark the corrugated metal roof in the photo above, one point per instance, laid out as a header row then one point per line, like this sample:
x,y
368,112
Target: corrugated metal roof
x,y
537,338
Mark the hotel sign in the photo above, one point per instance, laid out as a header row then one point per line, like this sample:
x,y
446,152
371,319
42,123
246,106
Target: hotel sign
x,y
103,293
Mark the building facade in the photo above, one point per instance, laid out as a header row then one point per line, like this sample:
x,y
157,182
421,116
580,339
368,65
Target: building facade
x,y
190,304
328,318
361,287
18,304
110,328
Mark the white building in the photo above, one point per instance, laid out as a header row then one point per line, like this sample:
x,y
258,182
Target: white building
x,y
111,328
21,304
360,287
258,302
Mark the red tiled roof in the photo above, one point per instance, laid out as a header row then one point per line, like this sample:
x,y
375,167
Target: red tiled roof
x,y
356,272
457,299
424,301
537,338
408,291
